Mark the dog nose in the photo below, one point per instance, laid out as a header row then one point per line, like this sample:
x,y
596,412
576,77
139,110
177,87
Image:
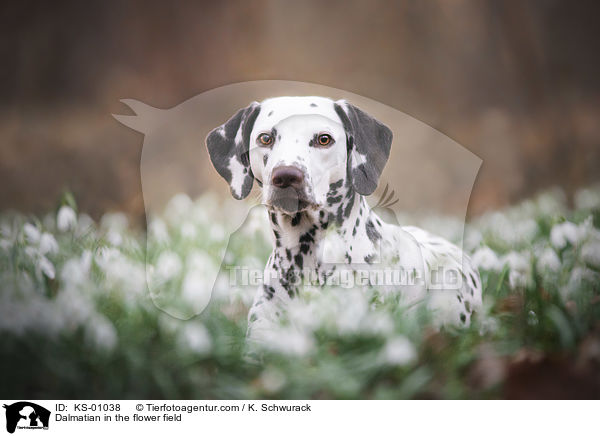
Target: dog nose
x,y
286,176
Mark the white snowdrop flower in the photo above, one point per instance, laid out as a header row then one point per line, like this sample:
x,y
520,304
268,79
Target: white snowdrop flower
x,y
499,225
399,350
74,307
195,337
46,267
517,261
6,230
257,223
32,233
75,271
101,333
32,252
548,260
116,221
196,290
352,313
221,288
563,233
158,230
525,230
5,244
168,266
188,230
178,208
552,202
48,244
485,258
472,239
519,264
66,219
200,260
288,341
379,323
590,253
517,279
488,324
217,232
107,255
587,199
84,224
114,237
272,380
579,276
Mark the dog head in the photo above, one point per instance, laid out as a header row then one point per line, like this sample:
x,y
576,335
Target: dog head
x,y
300,149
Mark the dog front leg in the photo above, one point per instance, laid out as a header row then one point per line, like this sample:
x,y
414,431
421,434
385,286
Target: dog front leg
x,y
265,314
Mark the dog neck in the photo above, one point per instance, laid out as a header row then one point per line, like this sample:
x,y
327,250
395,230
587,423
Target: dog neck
x,y
297,238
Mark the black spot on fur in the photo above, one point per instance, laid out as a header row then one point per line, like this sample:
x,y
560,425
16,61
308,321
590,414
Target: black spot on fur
x,y
265,159
333,200
339,219
313,105
369,258
296,219
349,206
336,185
304,248
372,233
288,254
472,277
269,292
463,318
307,237
299,260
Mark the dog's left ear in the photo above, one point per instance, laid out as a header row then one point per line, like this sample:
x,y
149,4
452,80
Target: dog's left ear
x,y
228,148
368,142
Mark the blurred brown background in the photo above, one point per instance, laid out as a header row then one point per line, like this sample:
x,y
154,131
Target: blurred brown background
x,y
515,82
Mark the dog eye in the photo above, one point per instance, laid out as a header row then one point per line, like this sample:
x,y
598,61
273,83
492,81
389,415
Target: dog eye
x,y
265,139
325,139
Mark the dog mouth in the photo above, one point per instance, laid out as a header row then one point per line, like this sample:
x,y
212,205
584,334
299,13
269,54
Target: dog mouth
x,y
290,201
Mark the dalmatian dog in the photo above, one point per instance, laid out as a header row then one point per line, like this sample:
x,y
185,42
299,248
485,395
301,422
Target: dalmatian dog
x,y
316,159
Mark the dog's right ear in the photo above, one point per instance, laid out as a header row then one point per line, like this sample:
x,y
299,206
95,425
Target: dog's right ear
x,y
228,148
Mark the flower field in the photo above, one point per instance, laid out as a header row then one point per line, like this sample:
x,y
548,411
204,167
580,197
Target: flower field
x,y
77,319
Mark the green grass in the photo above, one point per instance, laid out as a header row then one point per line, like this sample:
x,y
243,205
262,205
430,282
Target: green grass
x,y
77,320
